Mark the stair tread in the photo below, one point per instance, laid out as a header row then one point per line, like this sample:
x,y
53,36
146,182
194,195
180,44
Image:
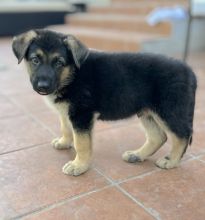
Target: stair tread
x,y
106,33
137,8
113,17
149,1
140,4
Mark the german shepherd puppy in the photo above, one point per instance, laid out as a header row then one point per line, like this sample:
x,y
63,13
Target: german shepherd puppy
x,y
82,83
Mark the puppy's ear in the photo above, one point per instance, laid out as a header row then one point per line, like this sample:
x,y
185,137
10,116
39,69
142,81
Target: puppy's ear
x,y
21,44
79,51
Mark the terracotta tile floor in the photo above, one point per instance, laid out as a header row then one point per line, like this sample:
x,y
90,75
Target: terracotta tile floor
x,y
33,186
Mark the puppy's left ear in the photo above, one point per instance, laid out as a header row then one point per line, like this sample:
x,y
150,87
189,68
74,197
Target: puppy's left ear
x,y
79,51
21,44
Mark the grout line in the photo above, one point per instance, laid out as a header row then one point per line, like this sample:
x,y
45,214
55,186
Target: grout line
x,y
151,211
200,160
140,176
11,116
24,148
132,123
42,124
59,203
187,160
105,176
73,198
155,170
32,116
128,178
197,156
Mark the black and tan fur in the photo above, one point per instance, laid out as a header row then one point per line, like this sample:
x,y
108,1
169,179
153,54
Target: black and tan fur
x,y
80,83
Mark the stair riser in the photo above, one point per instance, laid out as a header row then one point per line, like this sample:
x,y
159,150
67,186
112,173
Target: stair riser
x,y
139,9
107,44
140,26
151,1
127,11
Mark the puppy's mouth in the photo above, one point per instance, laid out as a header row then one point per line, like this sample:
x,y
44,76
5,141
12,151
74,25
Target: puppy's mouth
x,y
43,90
43,87
43,93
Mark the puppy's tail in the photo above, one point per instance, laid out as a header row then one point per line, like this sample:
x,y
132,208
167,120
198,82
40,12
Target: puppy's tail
x,y
190,140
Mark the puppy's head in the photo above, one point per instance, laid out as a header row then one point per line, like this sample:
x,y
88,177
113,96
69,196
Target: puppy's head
x,y
50,58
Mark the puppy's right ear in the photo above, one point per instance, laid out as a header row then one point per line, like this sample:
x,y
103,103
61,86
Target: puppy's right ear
x,y
21,44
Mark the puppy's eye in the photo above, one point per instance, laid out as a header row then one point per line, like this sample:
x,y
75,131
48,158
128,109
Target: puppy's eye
x,y
35,60
59,63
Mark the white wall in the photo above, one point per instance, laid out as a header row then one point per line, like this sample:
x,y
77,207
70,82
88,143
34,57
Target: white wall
x,y
198,7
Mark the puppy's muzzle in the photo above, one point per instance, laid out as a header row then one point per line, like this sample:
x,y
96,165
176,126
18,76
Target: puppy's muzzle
x,y
43,87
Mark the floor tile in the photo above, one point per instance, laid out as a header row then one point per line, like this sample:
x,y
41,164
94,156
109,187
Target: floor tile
x,y
108,204
50,119
108,147
30,102
14,82
110,143
175,194
202,158
21,132
198,146
32,178
104,125
7,108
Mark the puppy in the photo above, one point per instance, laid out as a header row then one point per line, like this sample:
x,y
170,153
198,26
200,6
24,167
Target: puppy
x,y
80,82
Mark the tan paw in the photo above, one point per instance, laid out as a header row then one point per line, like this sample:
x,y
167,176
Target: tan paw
x,y
61,143
74,169
132,157
166,163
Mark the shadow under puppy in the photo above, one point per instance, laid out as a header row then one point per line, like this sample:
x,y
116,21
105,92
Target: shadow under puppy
x,y
80,82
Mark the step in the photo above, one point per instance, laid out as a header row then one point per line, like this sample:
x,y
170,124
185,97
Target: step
x,y
150,1
118,22
136,8
122,9
102,39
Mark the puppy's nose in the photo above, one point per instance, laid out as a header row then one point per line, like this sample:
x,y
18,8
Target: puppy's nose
x,y
42,86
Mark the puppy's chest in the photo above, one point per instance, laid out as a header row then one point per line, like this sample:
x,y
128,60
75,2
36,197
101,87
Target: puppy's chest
x,y
59,107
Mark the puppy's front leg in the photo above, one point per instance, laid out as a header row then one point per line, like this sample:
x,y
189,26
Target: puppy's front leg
x,y
82,144
66,140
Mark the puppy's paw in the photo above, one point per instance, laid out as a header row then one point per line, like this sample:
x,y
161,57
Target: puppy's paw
x,y
166,163
132,157
61,143
74,168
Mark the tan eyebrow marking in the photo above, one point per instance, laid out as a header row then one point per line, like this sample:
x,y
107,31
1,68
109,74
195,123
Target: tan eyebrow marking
x,y
56,55
39,53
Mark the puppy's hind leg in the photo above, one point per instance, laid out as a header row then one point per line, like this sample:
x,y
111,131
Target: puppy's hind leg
x,y
155,138
179,146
